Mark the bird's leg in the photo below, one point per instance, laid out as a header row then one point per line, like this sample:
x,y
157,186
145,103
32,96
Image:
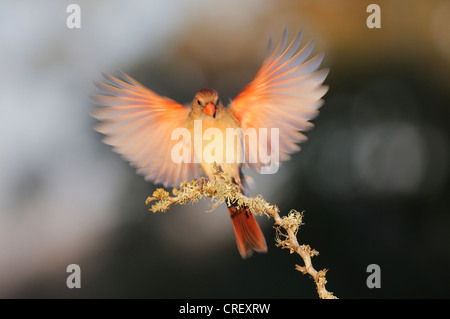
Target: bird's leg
x,y
201,181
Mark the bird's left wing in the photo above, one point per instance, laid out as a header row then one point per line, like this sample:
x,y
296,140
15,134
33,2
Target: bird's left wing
x,y
285,94
138,123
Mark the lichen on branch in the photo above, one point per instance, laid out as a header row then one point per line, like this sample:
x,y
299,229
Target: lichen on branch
x,y
221,189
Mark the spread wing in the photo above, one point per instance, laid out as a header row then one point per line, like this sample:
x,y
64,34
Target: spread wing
x,y
138,123
285,94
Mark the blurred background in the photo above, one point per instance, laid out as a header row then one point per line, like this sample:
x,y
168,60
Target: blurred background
x,y
372,180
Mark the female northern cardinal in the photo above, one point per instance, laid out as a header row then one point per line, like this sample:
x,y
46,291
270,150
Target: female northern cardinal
x,y
285,94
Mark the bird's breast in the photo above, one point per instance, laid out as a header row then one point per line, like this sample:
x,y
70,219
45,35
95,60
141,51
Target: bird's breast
x,y
217,141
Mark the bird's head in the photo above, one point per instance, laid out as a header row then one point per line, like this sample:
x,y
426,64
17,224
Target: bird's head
x,y
206,101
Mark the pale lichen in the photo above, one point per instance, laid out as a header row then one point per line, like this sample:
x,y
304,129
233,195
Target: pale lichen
x,y
221,189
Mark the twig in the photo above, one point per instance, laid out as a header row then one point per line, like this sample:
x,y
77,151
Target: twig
x,y
222,189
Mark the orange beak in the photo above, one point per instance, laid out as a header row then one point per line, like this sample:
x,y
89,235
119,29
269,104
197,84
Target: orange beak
x,y
210,110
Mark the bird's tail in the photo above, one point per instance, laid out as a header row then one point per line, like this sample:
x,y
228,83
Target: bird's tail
x,y
249,236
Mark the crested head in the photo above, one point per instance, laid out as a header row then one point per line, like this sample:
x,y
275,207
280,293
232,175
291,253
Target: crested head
x,y
206,101
207,95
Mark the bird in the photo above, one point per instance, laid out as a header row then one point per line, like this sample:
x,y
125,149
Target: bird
x,y
283,97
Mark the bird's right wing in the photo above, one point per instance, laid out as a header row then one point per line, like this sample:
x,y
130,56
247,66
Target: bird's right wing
x,y
139,123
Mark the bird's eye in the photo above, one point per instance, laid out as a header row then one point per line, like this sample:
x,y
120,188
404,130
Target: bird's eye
x,y
199,103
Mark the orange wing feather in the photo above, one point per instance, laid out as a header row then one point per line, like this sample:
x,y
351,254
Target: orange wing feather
x,y
285,94
138,123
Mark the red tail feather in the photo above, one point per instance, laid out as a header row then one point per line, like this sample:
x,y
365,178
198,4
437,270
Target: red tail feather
x,y
248,234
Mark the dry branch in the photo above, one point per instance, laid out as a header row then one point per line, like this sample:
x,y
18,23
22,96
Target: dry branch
x,y
222,189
